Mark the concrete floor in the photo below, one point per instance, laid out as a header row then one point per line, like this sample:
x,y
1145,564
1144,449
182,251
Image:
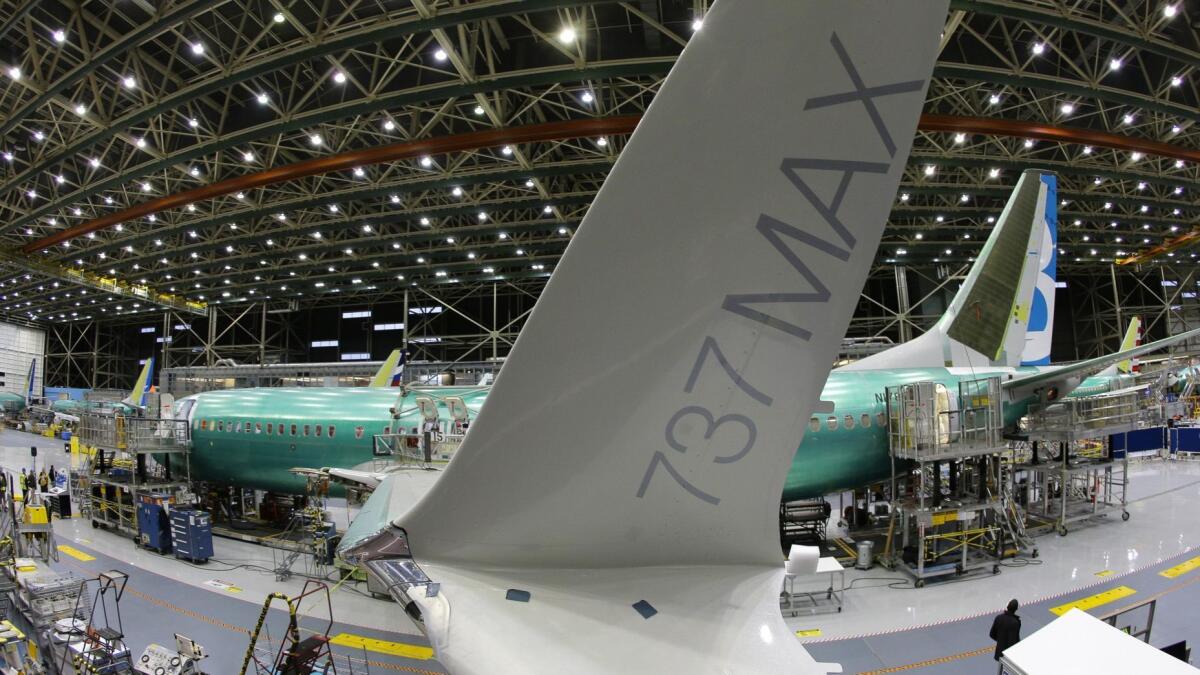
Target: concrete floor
x,y
886,623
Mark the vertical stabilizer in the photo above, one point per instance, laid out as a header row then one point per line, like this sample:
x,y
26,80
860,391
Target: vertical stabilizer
x,y
1133,338
989,318
1039,334
30,382
621,487
391,372
137,397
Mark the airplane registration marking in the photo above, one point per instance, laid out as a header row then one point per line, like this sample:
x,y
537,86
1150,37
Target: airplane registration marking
x,y
1093,601
775,231
382,646
1181,569
75,553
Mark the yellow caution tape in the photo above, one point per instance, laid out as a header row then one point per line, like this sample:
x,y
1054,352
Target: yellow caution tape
x,y
1093,601
811,632
382,646
1104,573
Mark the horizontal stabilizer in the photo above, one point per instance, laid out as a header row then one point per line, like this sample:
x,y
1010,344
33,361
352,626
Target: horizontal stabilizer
x,y
1066,378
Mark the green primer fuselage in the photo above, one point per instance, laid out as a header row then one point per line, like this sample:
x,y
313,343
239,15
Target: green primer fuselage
x,y
252,437
11,401
236,433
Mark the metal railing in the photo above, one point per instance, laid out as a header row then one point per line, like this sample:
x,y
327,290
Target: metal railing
x,y
133,434
1089,413
926,422
422,449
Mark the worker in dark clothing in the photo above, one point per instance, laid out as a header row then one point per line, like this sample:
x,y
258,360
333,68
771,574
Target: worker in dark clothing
x,y
1006,629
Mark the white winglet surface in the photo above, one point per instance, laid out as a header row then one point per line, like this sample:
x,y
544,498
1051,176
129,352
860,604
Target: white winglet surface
x,y
625,475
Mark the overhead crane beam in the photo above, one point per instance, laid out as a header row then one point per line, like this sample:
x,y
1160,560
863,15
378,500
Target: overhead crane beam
x,y
420,95
566,130
349,160
546,132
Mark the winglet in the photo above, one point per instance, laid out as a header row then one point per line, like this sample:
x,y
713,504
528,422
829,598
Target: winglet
x,y
137,397
745,213
391,372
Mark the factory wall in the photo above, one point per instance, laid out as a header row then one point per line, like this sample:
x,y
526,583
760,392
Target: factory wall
x,y
18,346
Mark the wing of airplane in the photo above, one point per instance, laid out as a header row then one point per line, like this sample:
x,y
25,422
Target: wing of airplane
x,y
614,506
1064,379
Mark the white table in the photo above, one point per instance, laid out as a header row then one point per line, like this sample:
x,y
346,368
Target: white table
x,y
834,593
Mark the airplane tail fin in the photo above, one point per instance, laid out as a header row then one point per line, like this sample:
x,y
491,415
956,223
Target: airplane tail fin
x,y
29,382
745,211
1008,291
1133,338
391,372
137,397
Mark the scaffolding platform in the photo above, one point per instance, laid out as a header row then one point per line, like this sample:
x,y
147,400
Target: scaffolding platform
x,y
950,512
131,458
1092,417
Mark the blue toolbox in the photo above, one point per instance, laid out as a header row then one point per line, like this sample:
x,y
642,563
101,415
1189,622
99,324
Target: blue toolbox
x,y
192,533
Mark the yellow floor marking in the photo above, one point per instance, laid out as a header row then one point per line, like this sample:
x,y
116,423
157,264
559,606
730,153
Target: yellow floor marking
x,y
1181,569
1104,573
75,553
811,632
382,646
1093,601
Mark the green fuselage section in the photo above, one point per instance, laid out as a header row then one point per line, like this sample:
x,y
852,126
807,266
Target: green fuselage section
x,y
252,437
11,402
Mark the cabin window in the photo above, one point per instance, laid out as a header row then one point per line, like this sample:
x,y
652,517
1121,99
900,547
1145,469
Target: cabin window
x,y
880,419
220,425
270,428
258,427
306,428
331,430
204,424
318,431
831,423
814,424
249,428
293,429
865,421
849,421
